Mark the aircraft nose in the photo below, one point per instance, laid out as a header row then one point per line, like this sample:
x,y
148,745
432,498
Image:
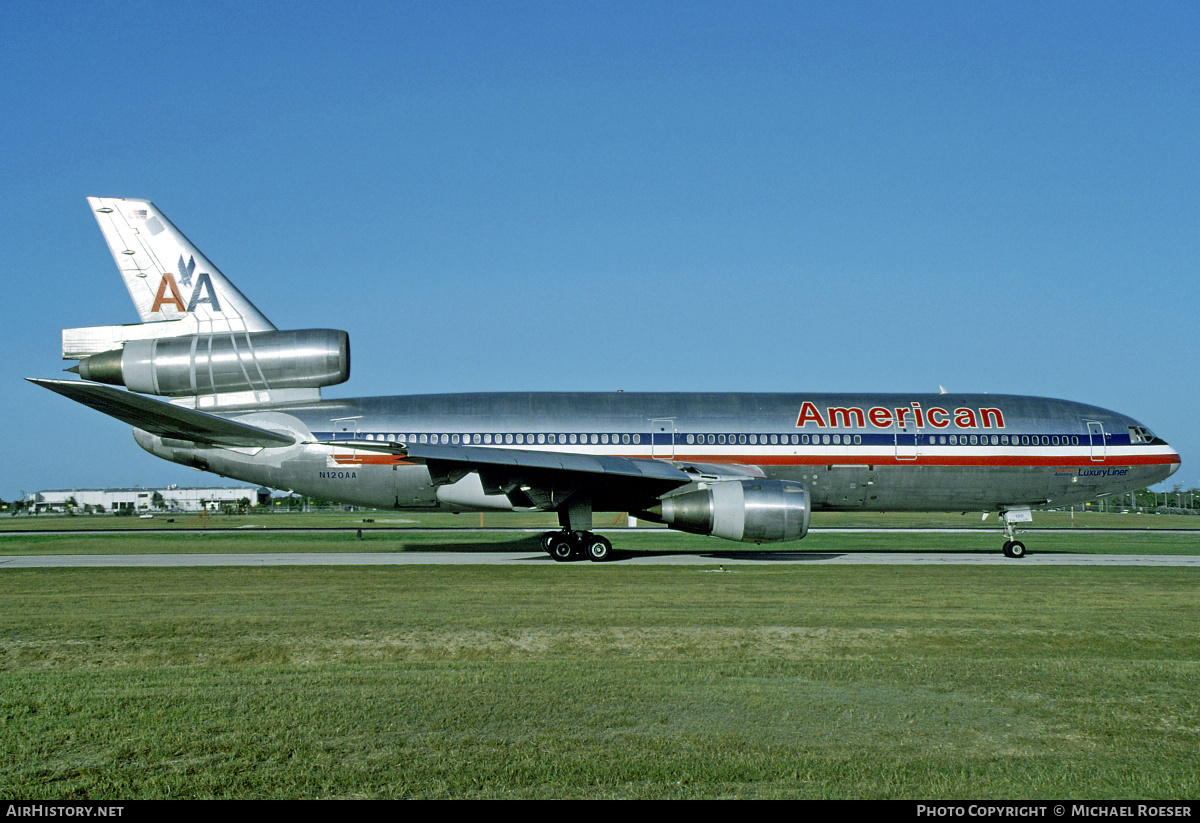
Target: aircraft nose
x,y
1173,466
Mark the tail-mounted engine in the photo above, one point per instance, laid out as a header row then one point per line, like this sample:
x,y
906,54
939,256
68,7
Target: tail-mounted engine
x,y
201,364
752,511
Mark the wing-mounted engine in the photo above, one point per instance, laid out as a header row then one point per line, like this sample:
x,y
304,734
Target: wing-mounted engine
x,y
752,511
226,368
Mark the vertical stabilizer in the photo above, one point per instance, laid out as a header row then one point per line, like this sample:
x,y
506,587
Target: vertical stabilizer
x,y
167,277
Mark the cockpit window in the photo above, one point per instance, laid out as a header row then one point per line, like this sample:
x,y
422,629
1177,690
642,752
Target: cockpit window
x,y
1140,434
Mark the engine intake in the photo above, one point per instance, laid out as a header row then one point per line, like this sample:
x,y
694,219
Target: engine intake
x,y
215,363
752,511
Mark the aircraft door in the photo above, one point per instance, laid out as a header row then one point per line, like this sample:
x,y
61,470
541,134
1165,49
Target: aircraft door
x,y
907,435
1096,437
346,428
662,438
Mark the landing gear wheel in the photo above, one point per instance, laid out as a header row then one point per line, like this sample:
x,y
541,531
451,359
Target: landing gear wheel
x,y
548,539
597,548
562,548
1014,549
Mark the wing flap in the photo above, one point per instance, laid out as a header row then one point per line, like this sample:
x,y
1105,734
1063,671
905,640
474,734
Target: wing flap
x,y
165,419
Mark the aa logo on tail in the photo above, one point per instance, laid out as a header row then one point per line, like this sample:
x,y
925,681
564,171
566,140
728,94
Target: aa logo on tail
x,y
169,295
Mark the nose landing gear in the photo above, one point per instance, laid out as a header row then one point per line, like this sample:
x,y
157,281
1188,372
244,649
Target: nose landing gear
x,y
1012,547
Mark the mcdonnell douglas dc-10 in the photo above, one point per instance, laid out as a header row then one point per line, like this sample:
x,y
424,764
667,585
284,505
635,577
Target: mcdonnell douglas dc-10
x,y
243,400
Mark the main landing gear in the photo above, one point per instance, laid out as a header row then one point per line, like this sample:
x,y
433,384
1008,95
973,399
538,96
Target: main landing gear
x,y
575,545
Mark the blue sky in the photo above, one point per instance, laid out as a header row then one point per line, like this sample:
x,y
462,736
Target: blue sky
x,y
888,196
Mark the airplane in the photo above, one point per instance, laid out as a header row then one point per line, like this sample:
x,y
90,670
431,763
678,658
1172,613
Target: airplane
x,y
207,381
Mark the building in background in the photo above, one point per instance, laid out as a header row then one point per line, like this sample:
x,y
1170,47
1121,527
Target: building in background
x,y
145,500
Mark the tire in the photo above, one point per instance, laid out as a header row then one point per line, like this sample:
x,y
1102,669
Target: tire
x,y
1016,550
562,549
598,549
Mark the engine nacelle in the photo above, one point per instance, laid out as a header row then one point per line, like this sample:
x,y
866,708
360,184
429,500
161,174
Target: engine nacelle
x,y
752,511
225,362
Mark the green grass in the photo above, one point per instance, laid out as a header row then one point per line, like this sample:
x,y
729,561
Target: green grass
x,y
642,682
345,540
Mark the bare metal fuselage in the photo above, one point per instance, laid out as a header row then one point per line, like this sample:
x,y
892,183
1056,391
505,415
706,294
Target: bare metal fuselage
x,y
852,451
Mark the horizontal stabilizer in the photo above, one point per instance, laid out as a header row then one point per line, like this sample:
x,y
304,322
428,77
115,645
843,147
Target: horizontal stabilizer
x,y
165,419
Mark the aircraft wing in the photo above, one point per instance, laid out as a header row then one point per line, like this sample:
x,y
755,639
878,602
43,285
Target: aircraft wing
x,y
487,456
165,419
546,478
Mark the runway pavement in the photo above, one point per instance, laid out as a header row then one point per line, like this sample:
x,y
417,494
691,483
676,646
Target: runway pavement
x,y
712,559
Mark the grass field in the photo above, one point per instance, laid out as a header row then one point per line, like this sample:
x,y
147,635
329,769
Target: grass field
x,y
344,538
626,681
